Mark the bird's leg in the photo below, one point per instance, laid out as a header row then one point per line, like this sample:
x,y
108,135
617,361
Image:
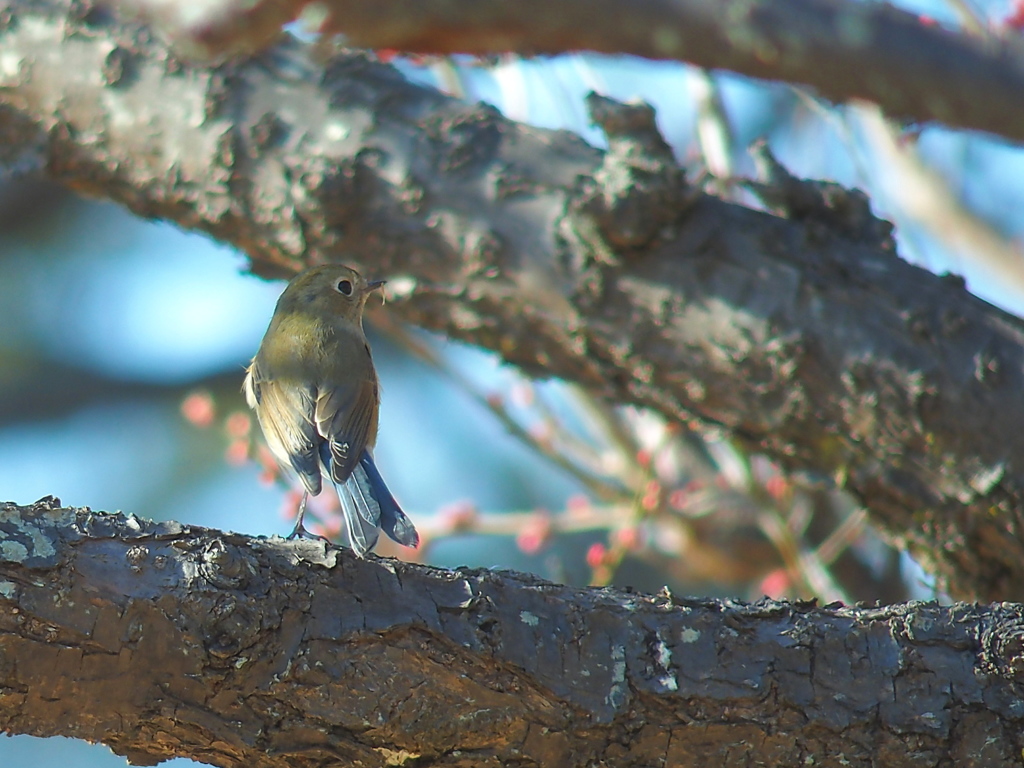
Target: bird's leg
x,y
299,531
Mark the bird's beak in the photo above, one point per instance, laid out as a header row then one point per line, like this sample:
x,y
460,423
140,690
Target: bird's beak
x,y
376,285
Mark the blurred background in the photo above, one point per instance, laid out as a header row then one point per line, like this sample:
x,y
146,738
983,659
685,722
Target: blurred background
x,y
124,342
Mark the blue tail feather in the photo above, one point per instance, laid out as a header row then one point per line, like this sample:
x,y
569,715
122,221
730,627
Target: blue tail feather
x,y
393,521
367,505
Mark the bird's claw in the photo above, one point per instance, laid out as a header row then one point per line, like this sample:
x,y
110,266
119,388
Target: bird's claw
x,y
300,532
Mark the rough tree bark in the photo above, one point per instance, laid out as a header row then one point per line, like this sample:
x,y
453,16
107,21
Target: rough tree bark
x,y
162,640
804,335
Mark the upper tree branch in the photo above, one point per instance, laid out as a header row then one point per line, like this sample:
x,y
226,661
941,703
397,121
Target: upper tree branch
x,y
843,49
806,336
163,641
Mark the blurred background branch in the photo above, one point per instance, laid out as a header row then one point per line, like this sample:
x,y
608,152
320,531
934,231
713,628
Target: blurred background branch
x,y
904,62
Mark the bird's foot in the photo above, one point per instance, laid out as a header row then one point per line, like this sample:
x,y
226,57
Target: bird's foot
x,y
300,532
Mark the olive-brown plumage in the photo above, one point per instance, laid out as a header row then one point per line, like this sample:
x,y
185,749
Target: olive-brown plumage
x,y
314,389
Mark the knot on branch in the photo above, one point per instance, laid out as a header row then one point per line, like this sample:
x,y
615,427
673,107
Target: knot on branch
x,y
844,211
639,189
1002,648
223,567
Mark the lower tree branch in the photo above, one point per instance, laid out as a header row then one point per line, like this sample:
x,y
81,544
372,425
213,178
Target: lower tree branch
x,y
161,640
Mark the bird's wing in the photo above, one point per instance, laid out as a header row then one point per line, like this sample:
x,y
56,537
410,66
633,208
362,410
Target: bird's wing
x,y
346,416
285,411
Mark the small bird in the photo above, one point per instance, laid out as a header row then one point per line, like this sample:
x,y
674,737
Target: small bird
x,y
314,389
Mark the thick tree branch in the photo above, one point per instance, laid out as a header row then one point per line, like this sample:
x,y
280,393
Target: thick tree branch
x,y
161,640
844,50
806,336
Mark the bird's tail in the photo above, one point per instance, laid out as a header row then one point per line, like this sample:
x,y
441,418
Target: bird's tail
x,y
368,506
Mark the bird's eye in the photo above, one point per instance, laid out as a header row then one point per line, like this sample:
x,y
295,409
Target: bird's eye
x,y
344,287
